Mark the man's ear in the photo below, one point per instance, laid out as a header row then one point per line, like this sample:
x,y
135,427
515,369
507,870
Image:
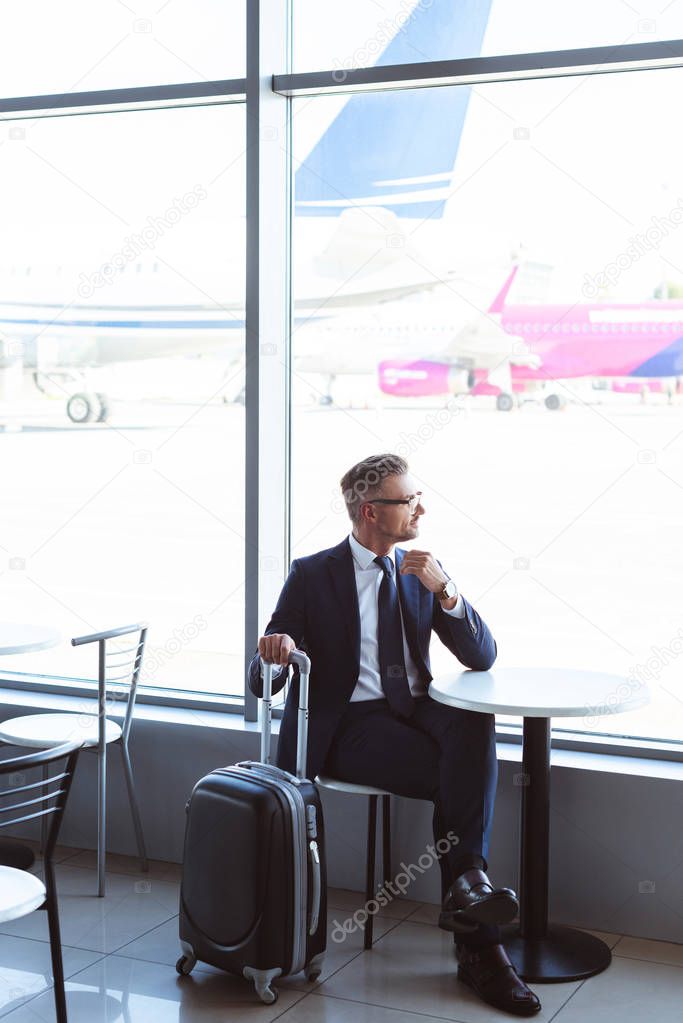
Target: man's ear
x,y
368,513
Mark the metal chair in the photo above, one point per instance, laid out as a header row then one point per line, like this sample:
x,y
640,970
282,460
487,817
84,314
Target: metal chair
x,y
20,892
95,731
334,784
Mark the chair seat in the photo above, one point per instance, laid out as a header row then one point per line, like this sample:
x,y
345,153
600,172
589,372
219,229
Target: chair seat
x,y
20,893
41,731
326,782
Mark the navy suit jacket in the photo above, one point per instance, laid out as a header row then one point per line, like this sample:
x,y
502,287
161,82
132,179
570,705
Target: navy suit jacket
x,y
318,608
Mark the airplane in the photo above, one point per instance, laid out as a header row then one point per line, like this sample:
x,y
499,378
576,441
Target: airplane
x,y
636,345
352,250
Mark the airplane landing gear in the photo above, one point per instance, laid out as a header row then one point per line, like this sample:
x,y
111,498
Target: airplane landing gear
x,y
554,402
326,399
504,402
85,407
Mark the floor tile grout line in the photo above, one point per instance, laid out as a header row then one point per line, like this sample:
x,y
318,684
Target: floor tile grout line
x,y
304,994
46,941
144,933
318,984
83,948
109,869
50,987
77,852
568,1000
391,1008
140,876
653,962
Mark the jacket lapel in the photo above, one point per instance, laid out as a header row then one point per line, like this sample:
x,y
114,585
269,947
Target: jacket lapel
x,y
340,567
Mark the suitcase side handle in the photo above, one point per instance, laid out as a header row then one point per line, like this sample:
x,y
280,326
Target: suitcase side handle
x,y
314,857
303,663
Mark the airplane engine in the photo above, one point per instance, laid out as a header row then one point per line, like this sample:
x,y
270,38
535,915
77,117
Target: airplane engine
x,y
413,378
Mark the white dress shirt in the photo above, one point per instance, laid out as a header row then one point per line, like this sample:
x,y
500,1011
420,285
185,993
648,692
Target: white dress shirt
x,y
368,580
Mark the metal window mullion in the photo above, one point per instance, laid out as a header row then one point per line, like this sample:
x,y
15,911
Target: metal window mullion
x,y
266,318
481,70
135,98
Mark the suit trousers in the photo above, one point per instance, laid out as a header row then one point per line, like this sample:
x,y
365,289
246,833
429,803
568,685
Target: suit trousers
x,y
440,753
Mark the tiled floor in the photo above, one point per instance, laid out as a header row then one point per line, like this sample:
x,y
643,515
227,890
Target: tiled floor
x,y
120,954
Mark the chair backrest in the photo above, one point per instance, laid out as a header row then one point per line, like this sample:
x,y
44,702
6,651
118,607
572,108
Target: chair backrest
x,y
46,796
118,670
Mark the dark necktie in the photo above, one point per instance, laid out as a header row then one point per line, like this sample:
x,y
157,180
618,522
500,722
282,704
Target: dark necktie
x,y
392,666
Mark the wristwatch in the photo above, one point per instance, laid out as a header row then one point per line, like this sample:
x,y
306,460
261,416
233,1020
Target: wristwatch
x,y
449,590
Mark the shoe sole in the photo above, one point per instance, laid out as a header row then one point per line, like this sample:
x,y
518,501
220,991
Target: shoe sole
x,y
459,925
516,1009
498,909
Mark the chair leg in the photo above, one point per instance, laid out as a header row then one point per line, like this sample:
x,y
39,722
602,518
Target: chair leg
x,y
386,837
101,818
134,808
43,819
55,945
370,869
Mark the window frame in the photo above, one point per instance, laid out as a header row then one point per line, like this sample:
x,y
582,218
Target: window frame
x,y
268,90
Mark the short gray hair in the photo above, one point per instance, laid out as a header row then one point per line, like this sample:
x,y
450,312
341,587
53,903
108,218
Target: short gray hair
x,y
364,480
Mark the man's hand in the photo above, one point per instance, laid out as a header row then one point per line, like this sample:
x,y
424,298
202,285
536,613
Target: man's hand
x,y
276,648
425,566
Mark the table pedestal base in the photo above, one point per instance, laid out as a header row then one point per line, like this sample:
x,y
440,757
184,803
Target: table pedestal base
x,y
563,954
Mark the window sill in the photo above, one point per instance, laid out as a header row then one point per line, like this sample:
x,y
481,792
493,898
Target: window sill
x,y
82,689
508,750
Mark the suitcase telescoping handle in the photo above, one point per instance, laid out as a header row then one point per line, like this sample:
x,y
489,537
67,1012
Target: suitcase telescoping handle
x,y
303,663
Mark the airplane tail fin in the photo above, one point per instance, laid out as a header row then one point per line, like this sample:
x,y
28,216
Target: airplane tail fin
x,y
531,280
499,301
398,149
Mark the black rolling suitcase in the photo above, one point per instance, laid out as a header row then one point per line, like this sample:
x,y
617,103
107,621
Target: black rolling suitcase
x,y
253,898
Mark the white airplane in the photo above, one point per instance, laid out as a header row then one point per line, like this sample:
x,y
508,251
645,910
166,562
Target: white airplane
x,y
385,157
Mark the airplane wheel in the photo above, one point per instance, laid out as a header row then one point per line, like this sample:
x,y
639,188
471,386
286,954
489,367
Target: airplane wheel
x,y
103,414
554,402
82,407
504,402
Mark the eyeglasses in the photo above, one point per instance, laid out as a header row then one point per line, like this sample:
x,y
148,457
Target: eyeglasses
x,y
412,501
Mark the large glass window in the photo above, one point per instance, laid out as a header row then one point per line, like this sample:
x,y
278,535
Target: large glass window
x,y
493,287
122,330
361,34
77,46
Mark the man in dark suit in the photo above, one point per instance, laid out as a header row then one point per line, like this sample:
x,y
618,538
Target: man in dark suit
x,y
364,611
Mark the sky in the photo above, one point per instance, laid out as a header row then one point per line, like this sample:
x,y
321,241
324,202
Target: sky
x,y
598,156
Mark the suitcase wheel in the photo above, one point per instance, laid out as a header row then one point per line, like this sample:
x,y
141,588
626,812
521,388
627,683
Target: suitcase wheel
x,y
262,982
313,969
185,965
268,995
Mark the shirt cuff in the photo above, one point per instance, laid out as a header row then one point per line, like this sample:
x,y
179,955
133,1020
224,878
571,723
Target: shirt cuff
x,y
458,610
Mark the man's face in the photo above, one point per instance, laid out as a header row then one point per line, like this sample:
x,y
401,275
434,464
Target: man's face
x,y
397,522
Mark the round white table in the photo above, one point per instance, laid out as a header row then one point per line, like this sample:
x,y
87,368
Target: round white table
x,y
20,638
541,952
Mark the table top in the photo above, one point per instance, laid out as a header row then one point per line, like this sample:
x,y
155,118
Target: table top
x,y
21,638
540,692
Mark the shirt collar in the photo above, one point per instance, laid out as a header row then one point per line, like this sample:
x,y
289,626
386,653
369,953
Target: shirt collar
x,y
363,557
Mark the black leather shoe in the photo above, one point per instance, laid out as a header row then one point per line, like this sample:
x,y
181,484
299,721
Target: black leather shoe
x,y
489,972
472,899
